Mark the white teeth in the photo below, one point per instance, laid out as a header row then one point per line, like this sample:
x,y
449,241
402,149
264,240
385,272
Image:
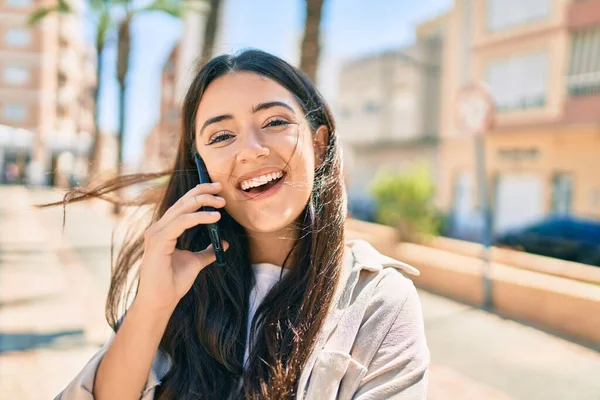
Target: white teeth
x,y
260,180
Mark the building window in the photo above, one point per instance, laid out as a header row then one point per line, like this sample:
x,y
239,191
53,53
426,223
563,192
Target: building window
x,y
466,41
173,113
16,75
502,14
562,193
14,113
519,82
17,37
18,3
370,107
584,66
404,114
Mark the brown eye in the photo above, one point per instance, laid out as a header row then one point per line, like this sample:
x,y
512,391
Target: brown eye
x,y
220,138
276,122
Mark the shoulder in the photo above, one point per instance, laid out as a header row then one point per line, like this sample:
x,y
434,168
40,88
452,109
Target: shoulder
x,y
394,297
389,276
394,289
382,282
387,301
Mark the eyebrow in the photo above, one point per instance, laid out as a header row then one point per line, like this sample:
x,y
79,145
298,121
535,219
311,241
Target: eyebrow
x,y
270,104
214,120
255,109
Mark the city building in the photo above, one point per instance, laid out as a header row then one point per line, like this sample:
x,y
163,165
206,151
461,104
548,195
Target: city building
x,y
161,143
46,82
541,61
388,109
160,146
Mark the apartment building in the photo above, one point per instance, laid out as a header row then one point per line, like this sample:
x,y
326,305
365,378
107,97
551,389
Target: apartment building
x,y
388,108
46,100
541,60
160,145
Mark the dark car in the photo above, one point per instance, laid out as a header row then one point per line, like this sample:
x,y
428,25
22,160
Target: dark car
x,y
563,237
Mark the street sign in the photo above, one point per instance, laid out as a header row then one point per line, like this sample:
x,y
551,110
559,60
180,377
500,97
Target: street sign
x,y
475,109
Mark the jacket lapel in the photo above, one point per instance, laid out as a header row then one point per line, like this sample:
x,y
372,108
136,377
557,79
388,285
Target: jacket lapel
x,y
359,255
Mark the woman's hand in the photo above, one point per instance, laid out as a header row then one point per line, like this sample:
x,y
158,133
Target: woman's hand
x,y
166,273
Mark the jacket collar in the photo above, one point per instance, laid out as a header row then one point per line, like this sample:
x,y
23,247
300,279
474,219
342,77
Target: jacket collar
x,y
368,258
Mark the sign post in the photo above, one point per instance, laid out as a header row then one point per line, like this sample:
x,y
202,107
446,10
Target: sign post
x,y
475,111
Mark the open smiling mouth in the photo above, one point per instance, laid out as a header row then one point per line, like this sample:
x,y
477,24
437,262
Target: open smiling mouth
x,y
263,188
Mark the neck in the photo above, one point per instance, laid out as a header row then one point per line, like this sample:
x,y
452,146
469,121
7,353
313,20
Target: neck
x,y
272,247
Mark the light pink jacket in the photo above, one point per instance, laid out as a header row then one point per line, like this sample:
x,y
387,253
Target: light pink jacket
x,y
372,345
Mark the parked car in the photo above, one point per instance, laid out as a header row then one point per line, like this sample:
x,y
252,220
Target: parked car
x,y
362,207
563,237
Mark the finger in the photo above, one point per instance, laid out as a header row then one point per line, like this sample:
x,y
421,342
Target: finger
x,y
204,188
190,203
175,228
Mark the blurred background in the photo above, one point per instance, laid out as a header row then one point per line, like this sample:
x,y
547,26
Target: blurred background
x,y
471,139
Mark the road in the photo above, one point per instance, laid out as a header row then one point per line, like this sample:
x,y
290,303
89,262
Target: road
x,y
53,284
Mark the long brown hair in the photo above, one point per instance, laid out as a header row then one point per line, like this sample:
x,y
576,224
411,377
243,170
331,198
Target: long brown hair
x,y
206,335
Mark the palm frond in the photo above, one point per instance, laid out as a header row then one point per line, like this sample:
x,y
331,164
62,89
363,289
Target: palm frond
x,y
103,26
172,7
61,6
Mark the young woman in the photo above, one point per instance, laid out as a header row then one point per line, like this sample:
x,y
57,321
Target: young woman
x,y
297,312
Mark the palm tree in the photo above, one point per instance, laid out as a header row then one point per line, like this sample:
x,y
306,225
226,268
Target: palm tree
x,y
101,14
311,46
132,10
210,30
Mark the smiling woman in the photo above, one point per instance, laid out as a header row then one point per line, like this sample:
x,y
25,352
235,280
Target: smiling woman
x,y
297,312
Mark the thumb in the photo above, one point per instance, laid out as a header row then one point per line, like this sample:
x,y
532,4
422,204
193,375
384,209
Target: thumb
x,y
208,256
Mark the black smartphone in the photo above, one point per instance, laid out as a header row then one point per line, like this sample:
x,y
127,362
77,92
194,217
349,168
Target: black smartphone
x,y
213,229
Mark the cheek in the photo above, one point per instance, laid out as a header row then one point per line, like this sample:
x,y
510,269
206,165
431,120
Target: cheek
x,y
301,152
219,169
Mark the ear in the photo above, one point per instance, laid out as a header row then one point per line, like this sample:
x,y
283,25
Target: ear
x,y
320,141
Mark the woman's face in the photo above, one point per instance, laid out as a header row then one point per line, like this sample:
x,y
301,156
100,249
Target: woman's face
x,y
254,139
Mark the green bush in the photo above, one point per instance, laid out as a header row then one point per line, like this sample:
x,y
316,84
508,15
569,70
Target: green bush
x,y
406,201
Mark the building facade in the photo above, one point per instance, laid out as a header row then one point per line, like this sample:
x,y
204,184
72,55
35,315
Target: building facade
x,y
161,144
46,77
540,60
388,109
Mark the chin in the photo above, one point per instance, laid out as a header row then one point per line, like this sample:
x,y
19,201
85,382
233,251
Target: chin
x,y
262,221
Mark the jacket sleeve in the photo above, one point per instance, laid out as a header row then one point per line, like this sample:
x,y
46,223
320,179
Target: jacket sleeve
x,y
399,368
82,386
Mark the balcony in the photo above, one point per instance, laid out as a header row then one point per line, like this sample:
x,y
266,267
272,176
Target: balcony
x,y
69,65
67,95
583,14
583,80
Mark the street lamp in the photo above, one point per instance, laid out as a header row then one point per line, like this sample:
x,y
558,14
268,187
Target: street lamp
x,y
475,112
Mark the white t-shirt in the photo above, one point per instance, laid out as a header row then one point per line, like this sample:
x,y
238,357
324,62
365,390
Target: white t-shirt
x,y
267,275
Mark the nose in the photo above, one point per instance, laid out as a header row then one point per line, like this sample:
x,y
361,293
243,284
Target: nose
x,y
252,149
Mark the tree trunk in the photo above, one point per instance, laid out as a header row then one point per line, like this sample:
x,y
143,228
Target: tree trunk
x,y
96,148
124,46
311,46
210,31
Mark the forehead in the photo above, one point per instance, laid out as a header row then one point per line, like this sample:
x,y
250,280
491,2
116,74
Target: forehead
x,y
238,92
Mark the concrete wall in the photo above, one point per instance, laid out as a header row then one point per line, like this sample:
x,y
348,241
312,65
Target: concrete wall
x,y
564,306
527,261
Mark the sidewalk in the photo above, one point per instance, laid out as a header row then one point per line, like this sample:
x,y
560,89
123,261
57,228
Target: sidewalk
x,y
53,286
42,321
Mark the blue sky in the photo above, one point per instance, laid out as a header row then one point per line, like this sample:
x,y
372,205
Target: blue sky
x,y
350,29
